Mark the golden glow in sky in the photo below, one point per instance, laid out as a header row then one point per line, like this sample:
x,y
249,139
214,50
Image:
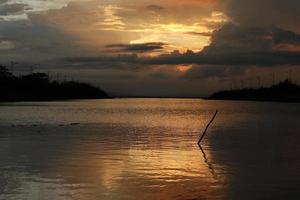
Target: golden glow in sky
x,y
178,35
180,25
126,45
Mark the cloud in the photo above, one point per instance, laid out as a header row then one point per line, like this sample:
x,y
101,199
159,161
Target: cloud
x,y
155,8
263,13
234,44
233,50
159,75
206,34
6,45
3,1
140,48
281,36
35,41
231,45
213,72
234,38
67,28
13,9
255,59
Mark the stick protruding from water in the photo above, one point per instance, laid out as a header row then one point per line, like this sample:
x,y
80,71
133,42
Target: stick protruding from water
x,y
204,132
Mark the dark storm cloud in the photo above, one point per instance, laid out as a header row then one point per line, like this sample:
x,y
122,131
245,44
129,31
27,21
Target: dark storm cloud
x,y
35,40
144,47
231,45
286,37
235,45
255,58
13,9
3,1
232,38
282,13
159,75
6,46
219,72
251,58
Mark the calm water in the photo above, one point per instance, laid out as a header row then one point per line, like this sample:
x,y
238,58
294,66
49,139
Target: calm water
x,y
147,149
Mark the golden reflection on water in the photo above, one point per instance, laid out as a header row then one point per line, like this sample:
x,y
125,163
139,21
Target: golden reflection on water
x,y
145,149
151,168
86,167
128,150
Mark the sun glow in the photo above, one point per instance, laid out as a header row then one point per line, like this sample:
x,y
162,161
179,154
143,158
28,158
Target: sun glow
x,y
183,68
176,35
180,36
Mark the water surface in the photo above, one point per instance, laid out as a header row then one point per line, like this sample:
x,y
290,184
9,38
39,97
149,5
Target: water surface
x,y
147,149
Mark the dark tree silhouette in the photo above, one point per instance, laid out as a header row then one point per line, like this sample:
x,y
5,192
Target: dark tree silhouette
x,y
4,73
38,87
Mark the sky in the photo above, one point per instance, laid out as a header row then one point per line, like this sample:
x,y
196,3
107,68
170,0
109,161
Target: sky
x,y
187,48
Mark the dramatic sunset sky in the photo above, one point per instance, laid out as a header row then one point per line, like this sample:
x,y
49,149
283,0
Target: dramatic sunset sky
x,y
154,47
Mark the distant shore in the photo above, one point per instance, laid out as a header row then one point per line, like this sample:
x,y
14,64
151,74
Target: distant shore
x,y
285,91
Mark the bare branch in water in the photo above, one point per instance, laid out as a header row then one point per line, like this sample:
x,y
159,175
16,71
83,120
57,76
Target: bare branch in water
x,y
203,134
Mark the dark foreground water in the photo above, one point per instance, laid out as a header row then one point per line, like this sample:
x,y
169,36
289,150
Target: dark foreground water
x,y
147,149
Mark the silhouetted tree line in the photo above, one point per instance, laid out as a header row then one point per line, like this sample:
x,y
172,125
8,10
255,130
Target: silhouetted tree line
x,y
38,87
285,91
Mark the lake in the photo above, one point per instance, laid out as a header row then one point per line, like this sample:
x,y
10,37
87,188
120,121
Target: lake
x,y
132,149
